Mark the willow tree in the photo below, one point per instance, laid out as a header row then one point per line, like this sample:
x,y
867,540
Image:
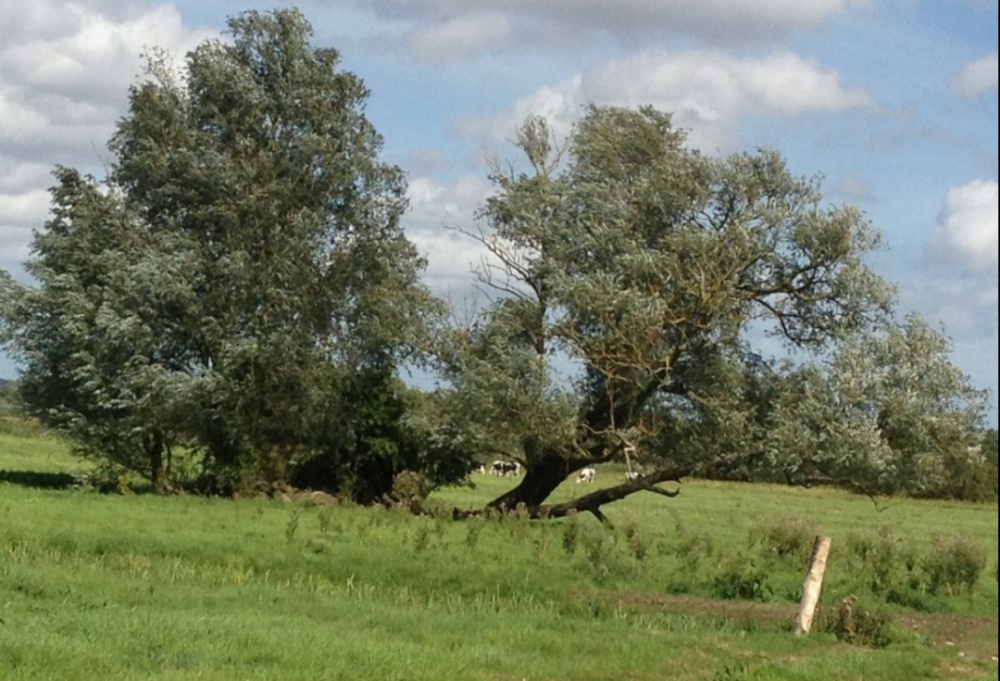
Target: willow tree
x,y
250,196
631,272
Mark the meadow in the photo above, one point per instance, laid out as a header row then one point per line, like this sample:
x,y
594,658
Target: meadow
x,y
703,586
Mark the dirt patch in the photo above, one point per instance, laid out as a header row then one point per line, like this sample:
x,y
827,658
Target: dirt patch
x,y
972,637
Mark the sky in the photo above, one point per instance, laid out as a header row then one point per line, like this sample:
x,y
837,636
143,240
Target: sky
x,y
892,102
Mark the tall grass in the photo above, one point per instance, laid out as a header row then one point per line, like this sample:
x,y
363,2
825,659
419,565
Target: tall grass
x,y
99,586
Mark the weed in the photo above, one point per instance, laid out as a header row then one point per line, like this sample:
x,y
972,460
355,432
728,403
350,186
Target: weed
x,y
441,526
293,525
410,489
543,538
889,569
599,549
517,527
421,537
857,624
694,547
325,518
735,672
636,544
473,528
571,533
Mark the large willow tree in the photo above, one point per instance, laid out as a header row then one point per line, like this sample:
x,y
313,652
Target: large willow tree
x,y
241,269
635,275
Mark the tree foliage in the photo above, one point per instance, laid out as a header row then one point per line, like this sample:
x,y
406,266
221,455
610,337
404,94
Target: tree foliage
x,y
239,288
242,257
889,413
649,273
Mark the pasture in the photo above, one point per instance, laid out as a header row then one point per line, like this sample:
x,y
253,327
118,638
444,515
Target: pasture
x,y
704,586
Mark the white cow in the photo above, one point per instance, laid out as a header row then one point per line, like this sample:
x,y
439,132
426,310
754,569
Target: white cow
x,y
633,475
586,475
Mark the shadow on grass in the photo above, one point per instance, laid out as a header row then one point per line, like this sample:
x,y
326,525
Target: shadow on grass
x,y
69,481
41,480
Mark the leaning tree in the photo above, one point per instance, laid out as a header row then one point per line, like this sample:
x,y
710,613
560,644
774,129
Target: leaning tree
x,y
634,276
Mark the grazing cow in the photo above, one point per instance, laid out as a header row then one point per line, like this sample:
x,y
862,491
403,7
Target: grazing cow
x,y
505,468
586,475
479,468
633,475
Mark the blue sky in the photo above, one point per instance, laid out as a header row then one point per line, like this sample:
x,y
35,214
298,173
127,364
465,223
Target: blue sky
x,y
894,102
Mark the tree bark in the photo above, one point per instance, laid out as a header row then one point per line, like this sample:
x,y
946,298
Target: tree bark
x,y
155,448
813,585
592,502
540,480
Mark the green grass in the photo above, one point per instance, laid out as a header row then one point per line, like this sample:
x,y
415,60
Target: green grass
x,y
99,586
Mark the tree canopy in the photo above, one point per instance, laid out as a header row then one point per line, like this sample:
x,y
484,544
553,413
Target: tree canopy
x,y
239,287
649,272
240,268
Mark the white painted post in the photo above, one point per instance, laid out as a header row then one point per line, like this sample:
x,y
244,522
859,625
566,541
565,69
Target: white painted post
x,y
813,585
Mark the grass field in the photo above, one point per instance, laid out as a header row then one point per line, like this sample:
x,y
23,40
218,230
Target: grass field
x,y
96,586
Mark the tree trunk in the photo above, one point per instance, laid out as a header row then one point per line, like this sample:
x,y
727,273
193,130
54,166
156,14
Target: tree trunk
x,y
157,464
540,480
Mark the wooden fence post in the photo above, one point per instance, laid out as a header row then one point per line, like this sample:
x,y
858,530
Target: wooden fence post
x,y
812,586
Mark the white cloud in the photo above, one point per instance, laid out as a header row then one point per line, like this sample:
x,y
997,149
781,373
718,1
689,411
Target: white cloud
x,y
629,21
707,92
463,36
64,79
436,213
65,68
433,204
976,77
24,208
966,233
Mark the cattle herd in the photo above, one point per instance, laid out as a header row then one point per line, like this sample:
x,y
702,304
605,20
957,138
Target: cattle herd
x,y
506,469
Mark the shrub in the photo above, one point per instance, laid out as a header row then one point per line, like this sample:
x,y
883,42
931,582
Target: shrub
x,y
789,540
636,544
571,533
741,576
857,624
694,547
410,489
888,568
954,567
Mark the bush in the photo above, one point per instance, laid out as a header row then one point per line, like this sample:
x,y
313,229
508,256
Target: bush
x,y
859,625
694,547
789,540
410,489
954,567
889,569
742,577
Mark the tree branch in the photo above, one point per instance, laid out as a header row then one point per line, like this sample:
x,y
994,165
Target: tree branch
x,y
592,502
